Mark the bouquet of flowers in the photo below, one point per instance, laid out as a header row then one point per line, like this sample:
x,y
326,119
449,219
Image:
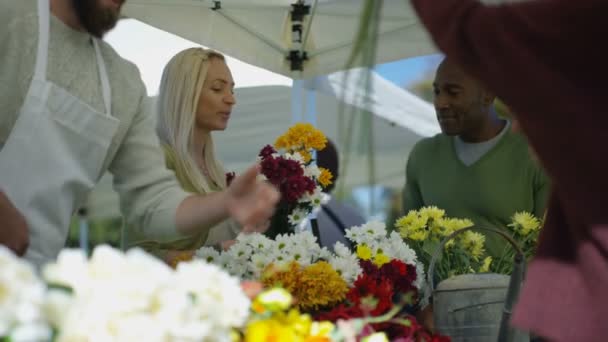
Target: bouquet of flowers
x,y
424,230
135,297
390,280
315,276
21,301
289,166
369,286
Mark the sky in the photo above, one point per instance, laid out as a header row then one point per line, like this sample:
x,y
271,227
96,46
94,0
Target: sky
x,y
407,71
150,49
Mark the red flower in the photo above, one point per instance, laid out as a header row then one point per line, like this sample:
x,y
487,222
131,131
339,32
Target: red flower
x,y
292,167
272,170
267,151
366,287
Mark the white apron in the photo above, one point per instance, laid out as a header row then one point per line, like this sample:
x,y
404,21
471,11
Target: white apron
x,y
54,154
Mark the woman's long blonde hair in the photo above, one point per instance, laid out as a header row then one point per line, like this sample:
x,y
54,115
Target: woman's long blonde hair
x,y
180,87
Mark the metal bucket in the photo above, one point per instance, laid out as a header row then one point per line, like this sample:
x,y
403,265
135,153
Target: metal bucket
x,y
477,307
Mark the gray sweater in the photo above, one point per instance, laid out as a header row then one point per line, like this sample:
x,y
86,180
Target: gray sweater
x,y
149,193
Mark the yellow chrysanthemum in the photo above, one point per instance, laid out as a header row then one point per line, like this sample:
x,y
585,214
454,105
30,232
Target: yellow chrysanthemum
x,y
325,177
525,223
432,212
381,259
313,286
485,267
301,136
364,252
413,227
320,285
473,243
447,226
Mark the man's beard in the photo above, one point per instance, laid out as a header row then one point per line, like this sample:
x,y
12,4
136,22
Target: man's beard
x,y
95,19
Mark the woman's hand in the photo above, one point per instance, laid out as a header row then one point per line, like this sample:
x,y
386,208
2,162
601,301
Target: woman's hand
x,y
258,228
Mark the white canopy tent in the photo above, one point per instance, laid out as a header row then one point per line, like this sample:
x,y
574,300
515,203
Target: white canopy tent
x,y
298,39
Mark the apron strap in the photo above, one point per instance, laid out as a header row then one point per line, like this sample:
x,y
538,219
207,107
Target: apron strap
x,y
44,12
103,76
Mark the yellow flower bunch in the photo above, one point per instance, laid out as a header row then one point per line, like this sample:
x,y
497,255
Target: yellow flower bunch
x,y
313,286
525,223
413,226
426,228
429,223
274,321
301,136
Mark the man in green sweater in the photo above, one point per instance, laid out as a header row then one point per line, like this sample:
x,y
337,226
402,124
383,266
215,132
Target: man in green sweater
x,y
477,168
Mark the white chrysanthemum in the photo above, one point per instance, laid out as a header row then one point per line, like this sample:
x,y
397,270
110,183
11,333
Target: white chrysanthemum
x,y
21,300
260,243
258,263
353,234
282,241
341,250
315,199
324,253
307,239
367,232
280,258
225,260
420,281
396,248
295,156
301,255
297,216
208,254
312,170
348,268
240,251
376,229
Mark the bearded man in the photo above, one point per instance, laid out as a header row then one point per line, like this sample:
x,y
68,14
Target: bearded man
x,y
70,109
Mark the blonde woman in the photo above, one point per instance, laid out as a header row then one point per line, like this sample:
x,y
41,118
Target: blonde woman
x,y
196,98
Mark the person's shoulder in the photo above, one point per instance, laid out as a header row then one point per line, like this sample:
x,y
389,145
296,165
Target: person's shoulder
x,y
517,142
429,145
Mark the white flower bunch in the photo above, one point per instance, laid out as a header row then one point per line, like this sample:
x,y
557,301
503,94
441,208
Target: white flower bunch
x,y
252,253
135,297
375,236
345,263
21,301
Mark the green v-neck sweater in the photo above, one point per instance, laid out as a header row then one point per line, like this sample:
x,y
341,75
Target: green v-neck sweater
x,y
503,181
